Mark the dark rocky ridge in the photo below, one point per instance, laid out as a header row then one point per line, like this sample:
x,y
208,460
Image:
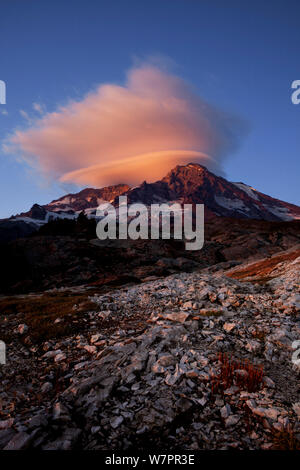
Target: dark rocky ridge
x,y
88,197
45,261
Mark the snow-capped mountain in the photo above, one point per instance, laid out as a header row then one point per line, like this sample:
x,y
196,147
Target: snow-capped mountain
x,y
194,183
191,183
86,199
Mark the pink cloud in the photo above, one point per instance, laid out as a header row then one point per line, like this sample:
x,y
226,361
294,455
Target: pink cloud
x,y
128,133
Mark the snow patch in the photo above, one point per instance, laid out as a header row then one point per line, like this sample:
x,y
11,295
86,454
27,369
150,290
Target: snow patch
x,y
65,200
279,211
248,190
28,220
231,204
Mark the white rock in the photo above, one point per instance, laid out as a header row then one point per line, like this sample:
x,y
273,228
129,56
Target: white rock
x,y
296,408
50,354
180,317
7,423
95,338
22,329
252,346
225,411
115,422
60,357
268,382
166,360
229,327
90,349
46,387
232,420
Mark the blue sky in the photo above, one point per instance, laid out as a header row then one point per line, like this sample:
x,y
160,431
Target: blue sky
x,y
240,56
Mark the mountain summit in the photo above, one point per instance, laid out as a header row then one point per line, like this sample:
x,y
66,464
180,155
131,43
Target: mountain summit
x,y
191,183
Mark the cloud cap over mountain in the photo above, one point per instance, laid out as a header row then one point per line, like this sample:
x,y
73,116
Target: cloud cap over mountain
x,y
129,133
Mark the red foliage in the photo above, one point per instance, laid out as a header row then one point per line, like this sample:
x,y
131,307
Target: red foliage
x,y
250,377
286,439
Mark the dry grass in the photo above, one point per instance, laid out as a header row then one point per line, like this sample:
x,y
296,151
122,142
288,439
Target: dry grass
x,y
286,439
211,313
251,380
262,270
40,313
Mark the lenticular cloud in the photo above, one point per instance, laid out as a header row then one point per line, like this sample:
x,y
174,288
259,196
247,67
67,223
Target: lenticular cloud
x,y
128,133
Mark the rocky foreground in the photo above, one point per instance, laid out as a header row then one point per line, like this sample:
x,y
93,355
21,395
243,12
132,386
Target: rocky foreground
x,y
142,368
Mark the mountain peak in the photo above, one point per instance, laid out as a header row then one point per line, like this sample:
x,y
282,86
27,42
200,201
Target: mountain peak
x,y
189,167
87,198
192,184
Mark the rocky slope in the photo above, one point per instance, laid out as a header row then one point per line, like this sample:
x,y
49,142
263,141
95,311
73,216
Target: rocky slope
x,y
68,259
140,344
139,367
